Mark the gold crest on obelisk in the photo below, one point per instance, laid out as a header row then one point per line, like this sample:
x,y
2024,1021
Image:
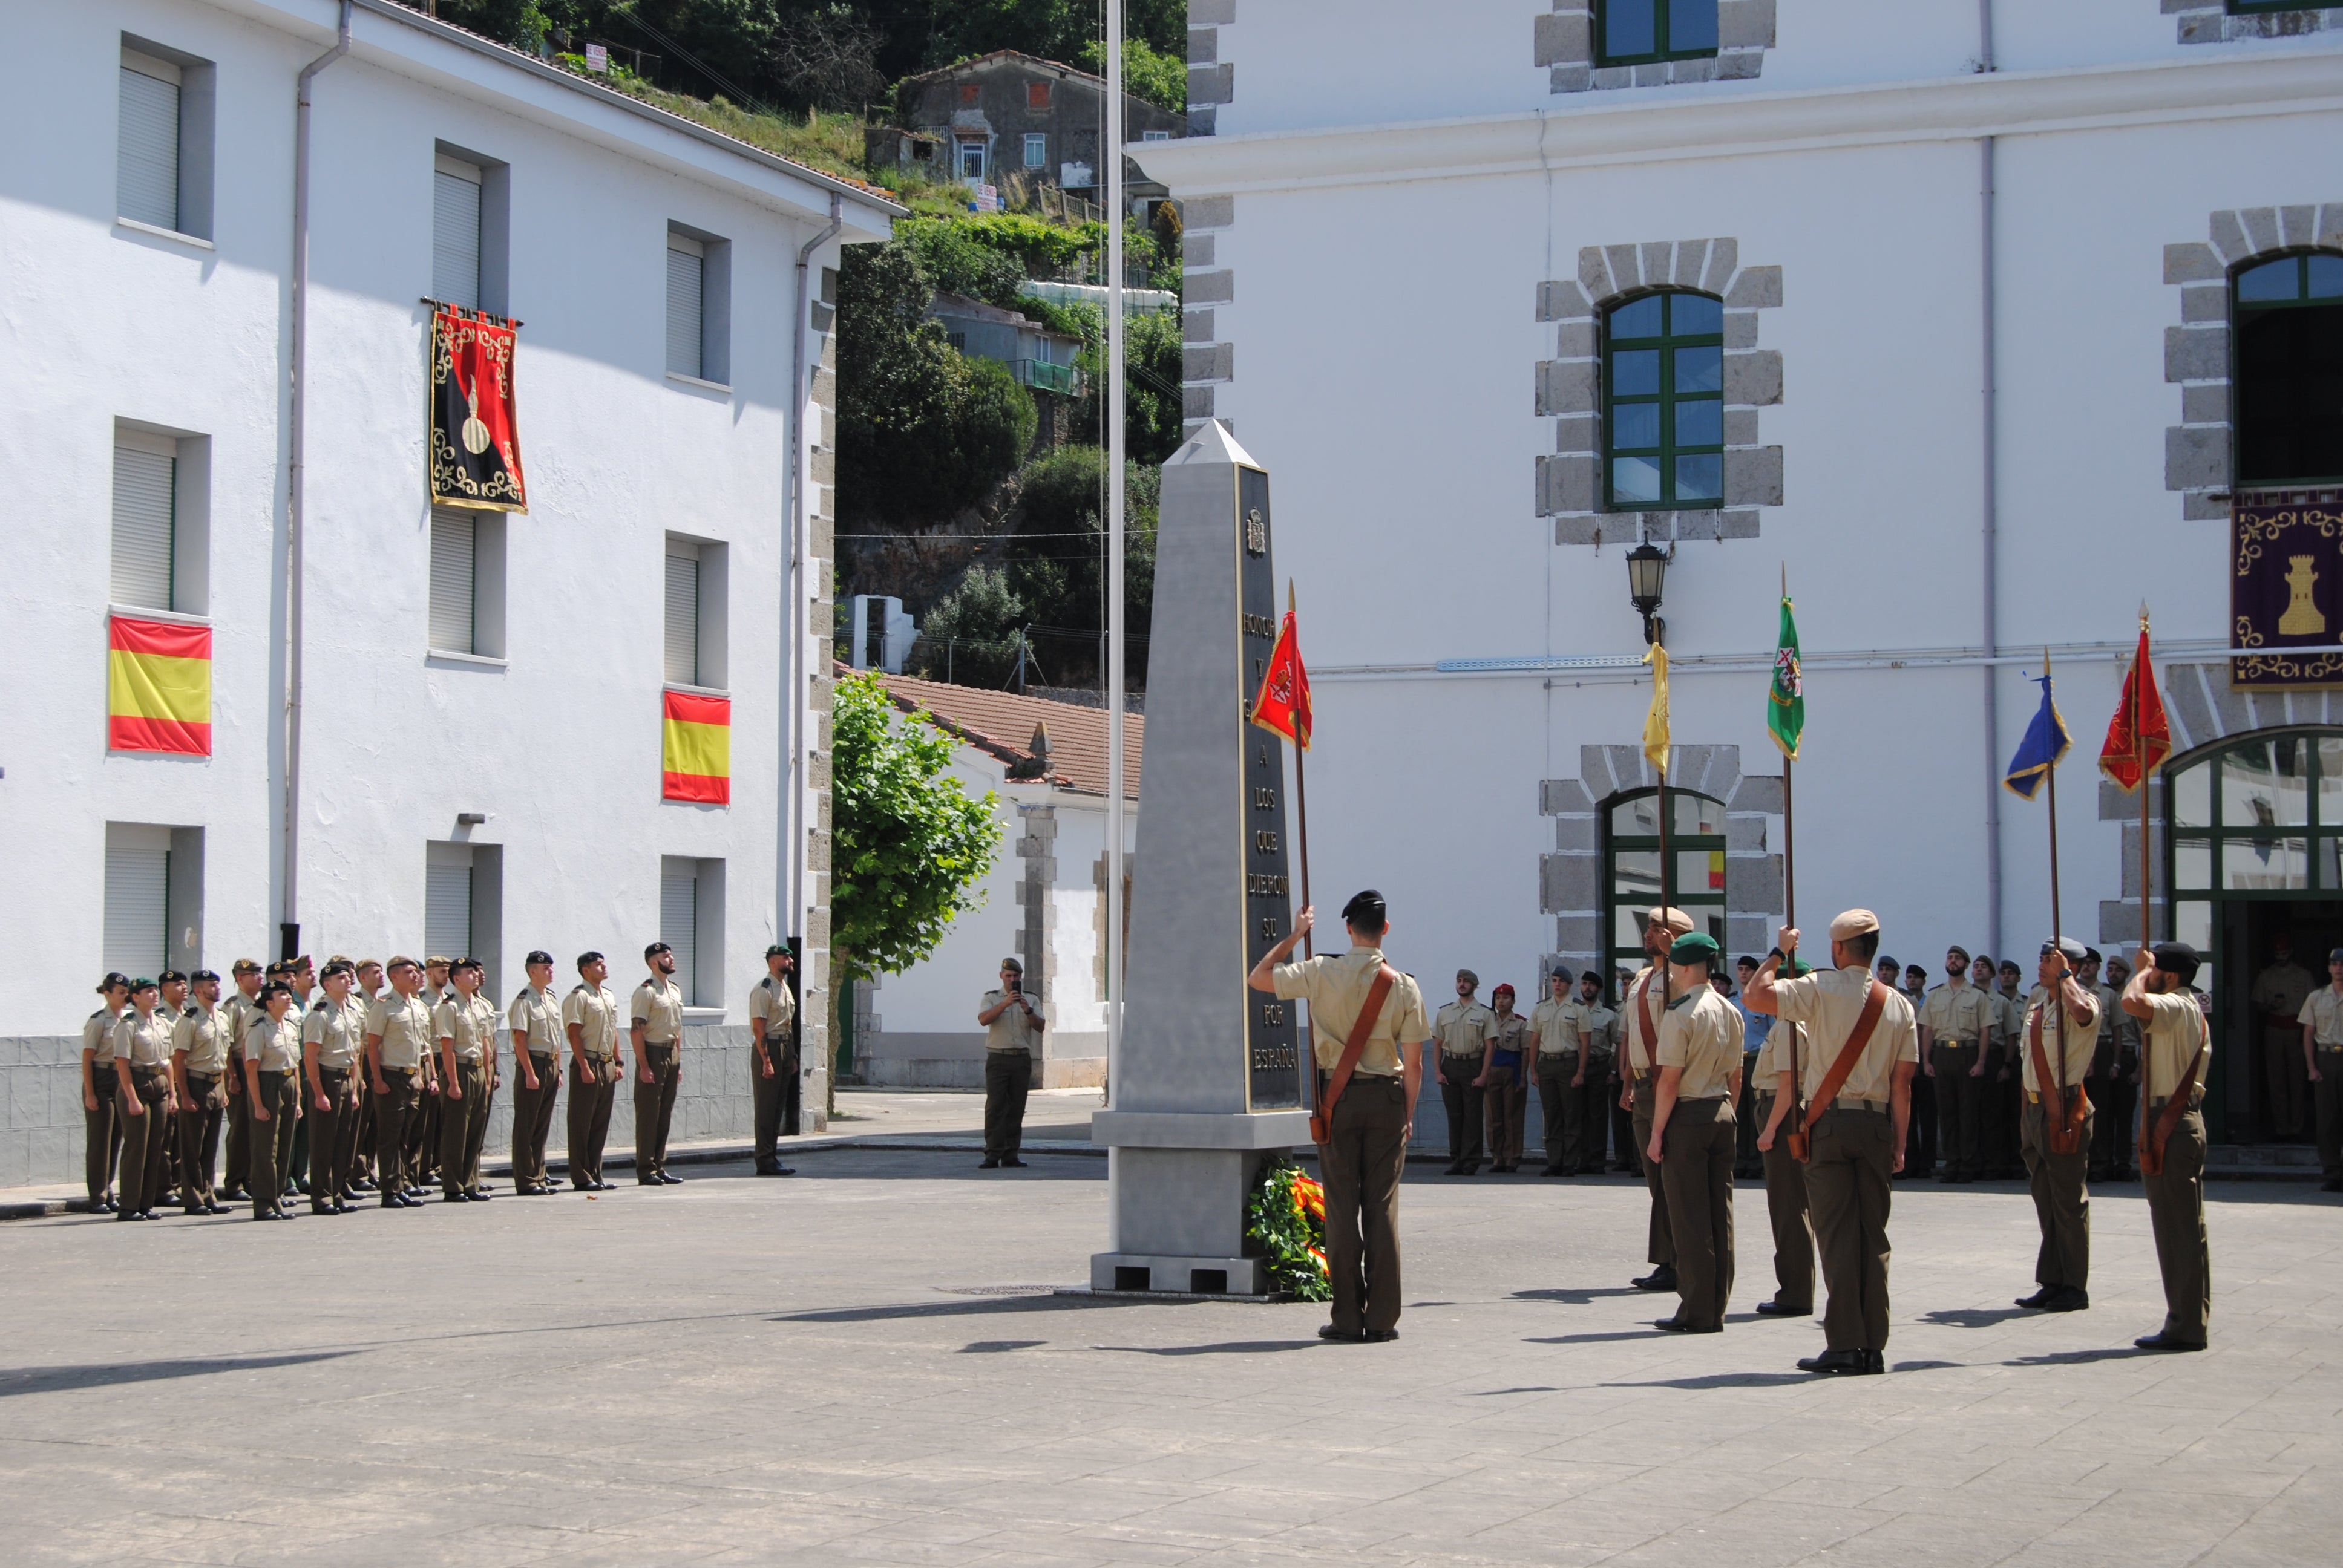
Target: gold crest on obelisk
x,y
2302,618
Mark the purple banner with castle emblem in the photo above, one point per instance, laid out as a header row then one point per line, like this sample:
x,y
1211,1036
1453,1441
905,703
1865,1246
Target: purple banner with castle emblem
x,y
2286,591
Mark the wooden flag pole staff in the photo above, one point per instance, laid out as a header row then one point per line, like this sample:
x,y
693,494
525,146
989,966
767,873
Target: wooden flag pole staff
x,y
2052,1120
1301,809
2140,748
1790,894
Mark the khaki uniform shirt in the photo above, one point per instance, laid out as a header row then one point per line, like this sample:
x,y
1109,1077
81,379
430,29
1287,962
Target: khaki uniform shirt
x,y
1830,1000
1601,1030
657,1006
1012,1030
470,1022
2280,991
2322,1015
1774,1057
240,1009
1960,1015
772,1007
595,1011
1701,1033
405,1025
142,1042
274,1045
1463,1028
1559,1026
2175,1031
535,1017
2082,1040
1640,1047
201,1036
97,1036
338,1032
1512,1032
1336,988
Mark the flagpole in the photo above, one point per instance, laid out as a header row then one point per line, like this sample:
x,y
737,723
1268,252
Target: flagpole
x,y
2057,997
1301,798
2139,677
1790,885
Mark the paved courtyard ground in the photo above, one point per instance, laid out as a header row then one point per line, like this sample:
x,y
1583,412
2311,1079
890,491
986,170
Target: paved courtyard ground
x,y
861,1366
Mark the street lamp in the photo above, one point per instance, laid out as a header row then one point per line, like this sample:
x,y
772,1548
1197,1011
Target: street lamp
x,y
1647,574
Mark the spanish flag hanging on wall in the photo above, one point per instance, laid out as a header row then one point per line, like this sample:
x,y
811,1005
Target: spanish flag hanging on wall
x,y
696,749
158,686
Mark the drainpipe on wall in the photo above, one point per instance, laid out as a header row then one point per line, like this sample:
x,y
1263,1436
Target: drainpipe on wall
x,y
797,603
288,931
1991,521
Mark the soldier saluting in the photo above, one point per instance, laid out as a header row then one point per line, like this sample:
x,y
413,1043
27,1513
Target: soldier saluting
x,y
1855,1074
2057,1144
2175,1052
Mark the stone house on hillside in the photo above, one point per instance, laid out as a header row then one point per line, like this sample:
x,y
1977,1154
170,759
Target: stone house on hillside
x,y
1007,114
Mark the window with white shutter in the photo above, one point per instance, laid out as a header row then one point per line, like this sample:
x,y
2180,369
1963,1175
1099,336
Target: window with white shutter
x,y
145,481
146,154
455,233
454,536
448,910
687,269
679,922
137,908
682,613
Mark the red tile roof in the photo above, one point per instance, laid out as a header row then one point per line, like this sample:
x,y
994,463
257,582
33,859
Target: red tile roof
x,y
1001,724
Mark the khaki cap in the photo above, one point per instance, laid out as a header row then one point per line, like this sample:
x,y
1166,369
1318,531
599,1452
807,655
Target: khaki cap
x,y
1852,924
1675,920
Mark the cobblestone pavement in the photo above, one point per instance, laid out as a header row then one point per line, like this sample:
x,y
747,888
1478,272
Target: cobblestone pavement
x,y
860,1365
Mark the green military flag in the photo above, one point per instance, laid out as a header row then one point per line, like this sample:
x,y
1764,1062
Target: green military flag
x,y
1785,705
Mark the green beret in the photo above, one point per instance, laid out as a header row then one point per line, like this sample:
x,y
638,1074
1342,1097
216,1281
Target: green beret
x,y
1697,947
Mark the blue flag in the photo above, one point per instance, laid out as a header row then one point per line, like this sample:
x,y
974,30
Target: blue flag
x,y
2044,748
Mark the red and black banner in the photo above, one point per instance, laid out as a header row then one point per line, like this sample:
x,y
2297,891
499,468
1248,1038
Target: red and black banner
x,y
475,434
2286,591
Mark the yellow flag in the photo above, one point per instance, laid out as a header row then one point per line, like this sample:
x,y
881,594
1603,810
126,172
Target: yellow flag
x,y
1655,723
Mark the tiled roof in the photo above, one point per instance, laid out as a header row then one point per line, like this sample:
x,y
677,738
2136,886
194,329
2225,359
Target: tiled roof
x,y
1001,724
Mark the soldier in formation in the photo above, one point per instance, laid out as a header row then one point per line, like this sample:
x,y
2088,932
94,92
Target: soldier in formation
x,y
1461,1033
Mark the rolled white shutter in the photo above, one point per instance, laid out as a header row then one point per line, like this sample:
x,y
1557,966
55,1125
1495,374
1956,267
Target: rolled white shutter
x,y
679,926
448,910
452,538
686,271
683,616
137,902
146,155
456,239
143,527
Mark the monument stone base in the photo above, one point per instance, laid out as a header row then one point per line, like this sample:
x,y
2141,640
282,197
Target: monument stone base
x,y
1179,1182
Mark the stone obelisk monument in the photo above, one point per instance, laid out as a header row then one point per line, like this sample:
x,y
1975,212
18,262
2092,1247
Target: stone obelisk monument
x,y
1209,1082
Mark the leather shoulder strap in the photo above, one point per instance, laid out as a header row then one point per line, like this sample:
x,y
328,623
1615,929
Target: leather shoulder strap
x,y
1643,1013
1875,1001
2152,1140
1361,1026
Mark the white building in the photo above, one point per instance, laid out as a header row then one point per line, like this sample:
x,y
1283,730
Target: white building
x,y
474,756
1040,902
1959,293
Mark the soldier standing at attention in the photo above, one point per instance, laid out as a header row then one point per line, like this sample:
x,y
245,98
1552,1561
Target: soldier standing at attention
x,y
773,1060
2279,994
1956,1023
2175,1052
465,1025
1012,1028
1462,1032
198,1057
2004,1086
535,1020
589,1017
423,1127
2322,1055
243,1007
1366,1146
142,1066
2119,1121
1646,994
2062,1193
1505,1081
362,996
1558,1025
1755,1026
656,1009
272,1077
1861,1051
1920,1148
1694,1129
98,1086
333,1034
1607,1123
1781,1062
397,1044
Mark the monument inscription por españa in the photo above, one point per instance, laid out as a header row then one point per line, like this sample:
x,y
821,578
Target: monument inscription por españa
x,y
1273,1080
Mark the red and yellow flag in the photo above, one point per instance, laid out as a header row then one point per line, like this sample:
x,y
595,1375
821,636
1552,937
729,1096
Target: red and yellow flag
x,y
2140,735
158,688
696,749
1283,704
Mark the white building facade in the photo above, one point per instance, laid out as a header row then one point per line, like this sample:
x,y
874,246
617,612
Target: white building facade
x,y
1948,311
430,728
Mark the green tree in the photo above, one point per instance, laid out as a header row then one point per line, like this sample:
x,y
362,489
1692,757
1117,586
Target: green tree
x,y
909,844
1057,560
970,635
1158,78
1152,372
